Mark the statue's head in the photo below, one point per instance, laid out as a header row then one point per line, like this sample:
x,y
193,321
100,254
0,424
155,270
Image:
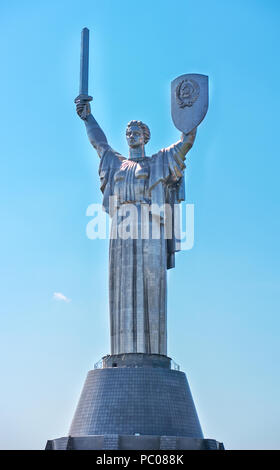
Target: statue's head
x,y
137,134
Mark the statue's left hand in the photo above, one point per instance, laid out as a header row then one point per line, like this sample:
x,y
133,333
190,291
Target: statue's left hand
x,y
188,140
192,133
190,137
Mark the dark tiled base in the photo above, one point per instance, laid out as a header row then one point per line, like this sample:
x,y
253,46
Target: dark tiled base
x,y
136,400
117,442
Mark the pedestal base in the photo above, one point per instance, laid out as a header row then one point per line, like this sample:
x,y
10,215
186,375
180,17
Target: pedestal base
x,y
117,442
135,401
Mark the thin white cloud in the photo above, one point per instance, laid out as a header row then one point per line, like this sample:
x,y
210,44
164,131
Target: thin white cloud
x,y
60,296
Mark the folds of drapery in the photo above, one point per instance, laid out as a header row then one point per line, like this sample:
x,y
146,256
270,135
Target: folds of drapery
x,y
166,185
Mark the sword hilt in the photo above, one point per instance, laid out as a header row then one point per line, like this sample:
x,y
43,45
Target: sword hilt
x,y
83,99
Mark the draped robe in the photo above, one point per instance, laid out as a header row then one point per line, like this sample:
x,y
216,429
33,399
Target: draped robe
x,y
137,266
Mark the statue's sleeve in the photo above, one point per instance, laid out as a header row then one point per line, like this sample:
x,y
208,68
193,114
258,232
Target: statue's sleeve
x,y
167,166
110,162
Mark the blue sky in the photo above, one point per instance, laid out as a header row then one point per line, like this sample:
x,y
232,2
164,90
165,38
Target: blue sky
x,y
223,296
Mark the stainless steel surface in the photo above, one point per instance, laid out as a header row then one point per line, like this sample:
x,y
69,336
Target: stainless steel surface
x,y
189,101
137,267
83,99
84,64
138,264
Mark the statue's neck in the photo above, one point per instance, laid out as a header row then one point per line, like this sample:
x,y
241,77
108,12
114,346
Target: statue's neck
x,y
137,152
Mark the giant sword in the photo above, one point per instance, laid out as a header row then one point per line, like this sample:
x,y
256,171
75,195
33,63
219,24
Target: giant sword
x,y
84,61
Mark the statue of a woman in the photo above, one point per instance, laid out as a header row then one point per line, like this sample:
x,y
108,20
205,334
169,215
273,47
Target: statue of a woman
x,y
137,265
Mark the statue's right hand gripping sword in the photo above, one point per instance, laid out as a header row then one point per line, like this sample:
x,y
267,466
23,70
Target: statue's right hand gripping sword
x,y
83,97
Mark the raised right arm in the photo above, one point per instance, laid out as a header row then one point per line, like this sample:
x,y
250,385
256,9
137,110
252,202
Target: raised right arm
x,y
95,134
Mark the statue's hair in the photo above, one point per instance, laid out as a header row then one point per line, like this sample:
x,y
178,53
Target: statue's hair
x,y
144,127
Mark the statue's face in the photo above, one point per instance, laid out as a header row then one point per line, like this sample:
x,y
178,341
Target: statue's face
x,y
134,136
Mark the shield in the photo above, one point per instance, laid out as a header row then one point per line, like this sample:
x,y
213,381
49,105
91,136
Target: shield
x,y
189,101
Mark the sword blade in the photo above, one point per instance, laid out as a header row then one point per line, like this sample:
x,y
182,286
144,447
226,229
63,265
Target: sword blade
x,y
84,62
